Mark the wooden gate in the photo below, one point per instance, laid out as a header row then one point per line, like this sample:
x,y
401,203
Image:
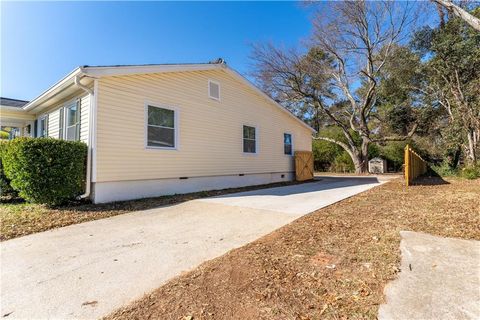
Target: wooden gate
x,y
303,165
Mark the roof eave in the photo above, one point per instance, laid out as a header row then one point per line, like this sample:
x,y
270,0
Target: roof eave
x,y
53,90
128,70
97,72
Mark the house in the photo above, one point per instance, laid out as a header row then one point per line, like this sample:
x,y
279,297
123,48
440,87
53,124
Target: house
x,y
13,119
165,129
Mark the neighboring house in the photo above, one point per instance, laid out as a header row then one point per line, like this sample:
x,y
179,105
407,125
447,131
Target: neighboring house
x,y
165,129
13,119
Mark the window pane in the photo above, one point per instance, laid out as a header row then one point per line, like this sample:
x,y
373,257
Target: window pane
x,y
72,115
287,143
287,149
72,133
249,146
43,127
161,137
248,132
161,117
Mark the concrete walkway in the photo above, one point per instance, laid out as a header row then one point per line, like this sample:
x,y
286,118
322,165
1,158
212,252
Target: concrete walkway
x,y
90,269
439,279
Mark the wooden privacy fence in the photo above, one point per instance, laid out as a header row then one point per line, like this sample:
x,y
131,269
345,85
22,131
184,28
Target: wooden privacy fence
x,y
414,165
303,165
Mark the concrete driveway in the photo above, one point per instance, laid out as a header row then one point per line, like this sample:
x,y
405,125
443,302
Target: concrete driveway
x,y
90,269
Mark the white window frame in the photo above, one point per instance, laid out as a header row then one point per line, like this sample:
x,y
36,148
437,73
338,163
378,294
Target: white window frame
x,y
219,90
65,106
256,140
176,116
61,116
283,145
40,118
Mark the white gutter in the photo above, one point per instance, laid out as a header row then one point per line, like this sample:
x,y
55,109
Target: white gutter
x,y
53,90
90,137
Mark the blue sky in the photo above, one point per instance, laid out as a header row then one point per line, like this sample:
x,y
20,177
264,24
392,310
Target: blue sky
x,y
42,42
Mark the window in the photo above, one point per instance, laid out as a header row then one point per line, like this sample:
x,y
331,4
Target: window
x,y
161,127
249,139
61,122
287,144
72,122
214,90
42,126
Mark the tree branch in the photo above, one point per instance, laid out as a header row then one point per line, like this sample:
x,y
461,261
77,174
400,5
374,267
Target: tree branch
x,y
473,21
397,138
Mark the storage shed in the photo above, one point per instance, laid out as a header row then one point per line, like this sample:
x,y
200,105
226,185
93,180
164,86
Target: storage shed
x,y
377,165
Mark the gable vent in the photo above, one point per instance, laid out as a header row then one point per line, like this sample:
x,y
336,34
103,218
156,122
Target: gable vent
x,y
214,90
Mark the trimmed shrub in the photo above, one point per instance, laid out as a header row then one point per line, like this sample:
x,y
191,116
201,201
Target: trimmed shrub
x,y
46,170
5,187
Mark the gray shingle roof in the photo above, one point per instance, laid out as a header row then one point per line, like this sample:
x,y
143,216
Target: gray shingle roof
x,y
12,102
216,61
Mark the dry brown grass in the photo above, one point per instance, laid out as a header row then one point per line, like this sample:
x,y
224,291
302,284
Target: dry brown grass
x,y
332,264
19,218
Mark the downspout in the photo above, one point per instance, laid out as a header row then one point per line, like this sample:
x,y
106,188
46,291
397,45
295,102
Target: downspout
x,y
90,138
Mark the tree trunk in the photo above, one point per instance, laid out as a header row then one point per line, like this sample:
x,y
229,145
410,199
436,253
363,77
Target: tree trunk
x,y
361,163
471,156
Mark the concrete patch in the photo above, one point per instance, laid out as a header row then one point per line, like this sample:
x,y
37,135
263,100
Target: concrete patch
x,y
439,279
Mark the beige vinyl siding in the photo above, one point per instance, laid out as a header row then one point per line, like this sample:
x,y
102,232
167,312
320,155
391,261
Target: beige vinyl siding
x,y
210,132
53,123
54,114
15,114
84,117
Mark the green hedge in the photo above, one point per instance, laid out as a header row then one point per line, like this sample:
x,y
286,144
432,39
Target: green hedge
x,y
5,187
45,170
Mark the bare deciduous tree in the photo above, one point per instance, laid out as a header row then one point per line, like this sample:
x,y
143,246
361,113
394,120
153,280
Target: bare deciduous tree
x,y
473,21
339,75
